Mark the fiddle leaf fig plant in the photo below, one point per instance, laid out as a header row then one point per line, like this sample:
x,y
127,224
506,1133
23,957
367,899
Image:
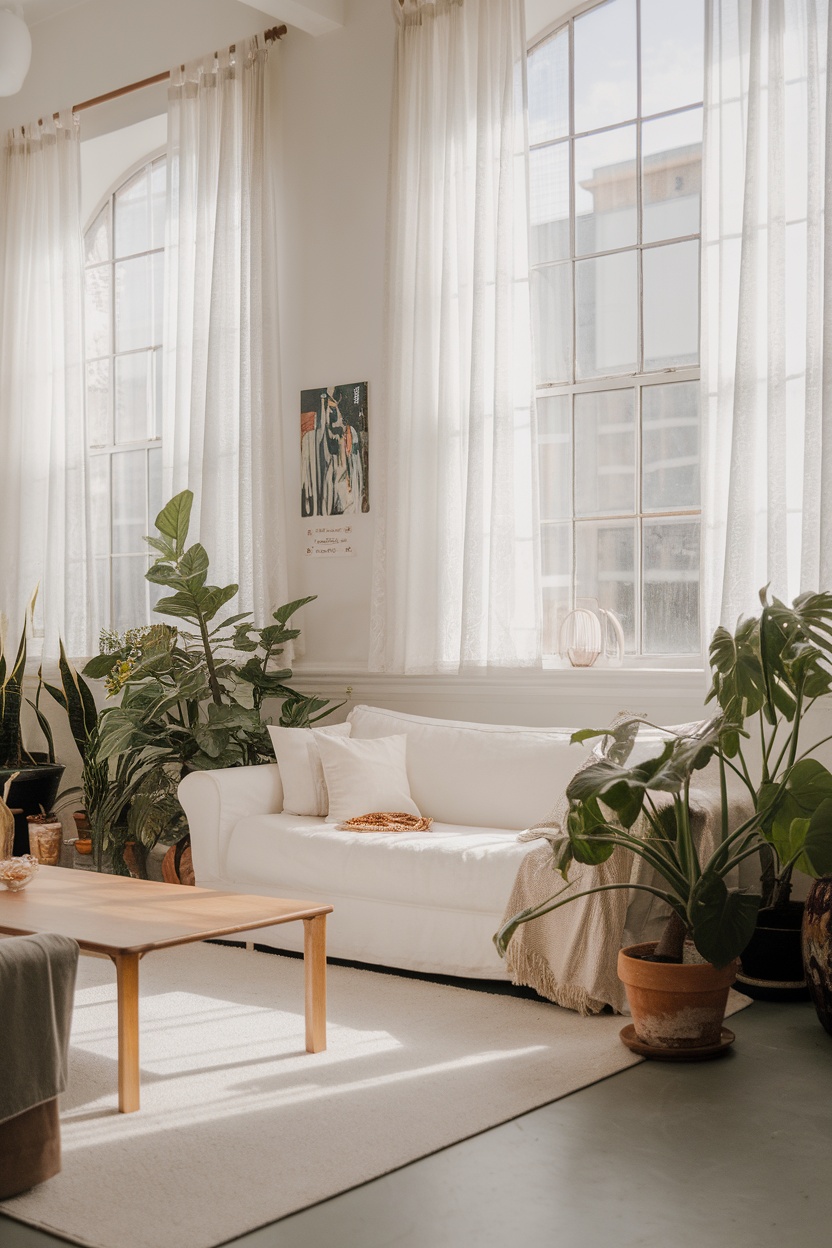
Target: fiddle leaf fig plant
x,y
192,694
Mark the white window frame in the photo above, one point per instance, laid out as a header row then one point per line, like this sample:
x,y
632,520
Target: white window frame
x,y
111,448
637,380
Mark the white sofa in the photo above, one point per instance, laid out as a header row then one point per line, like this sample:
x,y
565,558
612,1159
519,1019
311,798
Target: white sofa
x,y
420,901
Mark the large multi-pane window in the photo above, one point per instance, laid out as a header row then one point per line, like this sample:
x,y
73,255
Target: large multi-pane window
x,y
615,127
124,294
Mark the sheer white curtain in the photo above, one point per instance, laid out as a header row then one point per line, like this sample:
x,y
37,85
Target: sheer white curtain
x,y
767,305
222,419
455,568
43,496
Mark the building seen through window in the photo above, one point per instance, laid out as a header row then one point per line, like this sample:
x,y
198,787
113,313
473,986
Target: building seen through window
x,y
123,326
615,123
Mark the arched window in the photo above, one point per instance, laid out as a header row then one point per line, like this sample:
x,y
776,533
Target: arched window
x,y
125,257
615,126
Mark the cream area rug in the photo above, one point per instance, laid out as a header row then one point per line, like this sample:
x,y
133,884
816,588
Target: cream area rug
x,y
240,1126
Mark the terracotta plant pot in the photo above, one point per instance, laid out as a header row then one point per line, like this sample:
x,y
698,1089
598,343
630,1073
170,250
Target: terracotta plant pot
x,y
675,1005
45,840
177,864
817,948
83,844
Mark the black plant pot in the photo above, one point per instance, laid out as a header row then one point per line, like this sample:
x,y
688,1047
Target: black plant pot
x,y
34,789
772,964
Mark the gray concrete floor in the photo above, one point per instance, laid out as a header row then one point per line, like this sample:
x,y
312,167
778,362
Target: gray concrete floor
x,y
734,1153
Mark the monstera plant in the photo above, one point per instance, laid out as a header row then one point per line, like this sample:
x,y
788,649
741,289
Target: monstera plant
x,y
611,795
767,674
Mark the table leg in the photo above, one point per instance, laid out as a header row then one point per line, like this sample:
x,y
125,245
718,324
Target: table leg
x,y
127,982
314,965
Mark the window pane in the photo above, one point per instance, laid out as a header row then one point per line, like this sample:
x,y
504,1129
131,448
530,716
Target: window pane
x,y
605,569
154,468
671,586
129,592
549,206
672,54
97,238
607,315
556,555
605,453
157,277
671,179
671,305
605,191
97,310
670,446
101,594
129,502
552,315
134,304
548,84
98,479
158,387
132,216
554,458
133,397
605,65
158,192
98,403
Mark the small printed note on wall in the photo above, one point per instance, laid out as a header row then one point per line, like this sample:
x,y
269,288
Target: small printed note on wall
x,y
327,540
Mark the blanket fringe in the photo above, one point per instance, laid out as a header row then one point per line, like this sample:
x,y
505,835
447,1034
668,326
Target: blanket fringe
x,y
528,969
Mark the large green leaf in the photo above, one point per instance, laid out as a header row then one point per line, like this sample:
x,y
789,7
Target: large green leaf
x,y
722,922
101,665
193,565
289,608
808,785
807,842
739,683
174,519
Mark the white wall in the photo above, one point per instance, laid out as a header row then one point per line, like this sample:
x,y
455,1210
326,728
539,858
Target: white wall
x,y
333,113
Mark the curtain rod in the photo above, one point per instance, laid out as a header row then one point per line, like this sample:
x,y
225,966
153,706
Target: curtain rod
x,y
270,36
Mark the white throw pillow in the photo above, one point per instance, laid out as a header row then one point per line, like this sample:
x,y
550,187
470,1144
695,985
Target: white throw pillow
x,y
365,776
296,751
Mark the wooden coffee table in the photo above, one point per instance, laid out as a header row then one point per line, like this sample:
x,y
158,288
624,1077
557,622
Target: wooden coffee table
x,y
125,919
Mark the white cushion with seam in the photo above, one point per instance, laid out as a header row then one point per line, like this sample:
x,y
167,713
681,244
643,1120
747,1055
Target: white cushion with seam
x,y
299,760
485,775
365,776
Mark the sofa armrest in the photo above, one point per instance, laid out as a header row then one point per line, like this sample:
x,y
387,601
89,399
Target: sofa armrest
x,y
214,801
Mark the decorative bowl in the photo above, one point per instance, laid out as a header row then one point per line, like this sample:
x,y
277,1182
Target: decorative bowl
x,y
16,873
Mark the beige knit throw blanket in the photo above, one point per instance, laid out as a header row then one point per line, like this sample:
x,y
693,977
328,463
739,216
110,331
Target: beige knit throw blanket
x,y
570,955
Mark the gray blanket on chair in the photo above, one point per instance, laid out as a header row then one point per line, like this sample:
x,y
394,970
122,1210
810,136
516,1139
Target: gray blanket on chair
x,y
37,986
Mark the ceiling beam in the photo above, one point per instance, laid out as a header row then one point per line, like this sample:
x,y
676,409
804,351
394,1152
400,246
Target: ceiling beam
x,y
315,17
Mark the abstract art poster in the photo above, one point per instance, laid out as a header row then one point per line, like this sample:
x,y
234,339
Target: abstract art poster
x,y
333,450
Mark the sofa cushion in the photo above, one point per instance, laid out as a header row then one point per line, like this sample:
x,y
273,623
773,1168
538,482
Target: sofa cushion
x,y
365,776
484,775
459,868
301,771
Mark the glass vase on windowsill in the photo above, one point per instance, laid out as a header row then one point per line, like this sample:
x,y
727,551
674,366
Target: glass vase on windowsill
x,y
590,634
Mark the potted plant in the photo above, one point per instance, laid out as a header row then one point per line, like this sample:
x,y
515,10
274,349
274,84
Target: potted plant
x,y
192,695
34,774
773,669
74,696
606,800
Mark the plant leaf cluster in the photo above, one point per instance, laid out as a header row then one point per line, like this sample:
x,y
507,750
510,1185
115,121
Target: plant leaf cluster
x,y
771,669
193,693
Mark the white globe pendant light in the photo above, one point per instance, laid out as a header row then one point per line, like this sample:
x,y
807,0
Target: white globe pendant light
x,y
15,49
